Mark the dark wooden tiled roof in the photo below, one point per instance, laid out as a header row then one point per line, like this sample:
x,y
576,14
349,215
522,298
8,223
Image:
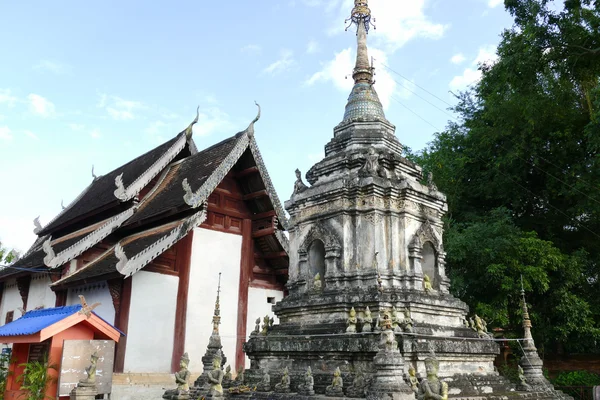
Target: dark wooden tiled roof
x,y
101,191
35,257
196,168
107,262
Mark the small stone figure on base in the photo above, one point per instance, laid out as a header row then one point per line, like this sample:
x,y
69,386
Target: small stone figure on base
x,y
351,321
284,385
215,378
239,378
367,321
336,389
358,387
227,378
86,388
432,388
91,372
256,330
307,388
182,378
480,326
265,383
265,327
427,286
395,320
523,385
299,186
317,283
407,322
412,380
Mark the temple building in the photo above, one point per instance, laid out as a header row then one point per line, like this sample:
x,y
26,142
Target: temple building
x,y
148,240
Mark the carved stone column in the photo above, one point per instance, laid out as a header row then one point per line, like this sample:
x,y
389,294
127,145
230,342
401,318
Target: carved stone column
x,y
415,273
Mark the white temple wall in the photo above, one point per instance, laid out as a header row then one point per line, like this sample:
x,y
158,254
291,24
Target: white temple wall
x,y
151,323
258,306
94,293
11,299
212,252
40,294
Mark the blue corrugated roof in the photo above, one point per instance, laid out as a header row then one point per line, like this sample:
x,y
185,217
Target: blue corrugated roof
x,y
36,320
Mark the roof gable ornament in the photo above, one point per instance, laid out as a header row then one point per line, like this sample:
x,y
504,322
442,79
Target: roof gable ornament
x,y
62,204
189,131
94,177
250,128
38,226
47,246
129,266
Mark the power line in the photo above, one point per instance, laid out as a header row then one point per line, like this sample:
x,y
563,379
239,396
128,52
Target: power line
x,y
420,87
427,122
424,99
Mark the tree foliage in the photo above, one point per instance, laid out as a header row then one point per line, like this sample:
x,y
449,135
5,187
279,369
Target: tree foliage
x,y
7,256
521,171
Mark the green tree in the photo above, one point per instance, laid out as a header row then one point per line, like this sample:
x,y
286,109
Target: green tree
x,y
7,256
521,171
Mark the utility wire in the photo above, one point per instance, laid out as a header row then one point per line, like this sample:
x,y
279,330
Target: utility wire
x,y
424,99
427,122
420,87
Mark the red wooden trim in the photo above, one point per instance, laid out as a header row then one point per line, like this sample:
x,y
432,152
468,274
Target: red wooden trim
x,y
269,256
123,323
254,195
263,232
259,284
227,211
216,228
246,264
245,172
61,298
160,270
265,214
183,262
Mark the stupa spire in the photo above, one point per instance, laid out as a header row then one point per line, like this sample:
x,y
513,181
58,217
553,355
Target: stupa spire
x,y
216,320
361,16
363,102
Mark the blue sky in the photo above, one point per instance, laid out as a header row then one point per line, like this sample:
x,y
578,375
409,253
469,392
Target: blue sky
x,y
100,83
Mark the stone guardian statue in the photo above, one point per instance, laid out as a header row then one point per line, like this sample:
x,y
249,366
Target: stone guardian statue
x,y
336,389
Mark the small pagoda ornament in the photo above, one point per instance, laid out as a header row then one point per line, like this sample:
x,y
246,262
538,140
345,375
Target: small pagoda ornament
x,y
214,344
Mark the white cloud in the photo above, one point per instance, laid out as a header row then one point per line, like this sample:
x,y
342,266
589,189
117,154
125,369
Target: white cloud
x,y
485,55
95,134
398,22
339,72
119,108
284,63
7,98
458,58
76,127
30,134
52,66
40,105
312,47
251,49
495,3
5,133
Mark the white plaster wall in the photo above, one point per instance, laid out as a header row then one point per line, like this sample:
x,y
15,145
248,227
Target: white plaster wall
x,y
40,294
212,252
258,307
11,299
151,322
94,293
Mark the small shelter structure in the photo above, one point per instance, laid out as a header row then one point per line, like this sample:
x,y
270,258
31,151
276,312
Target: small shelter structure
x,y
41,333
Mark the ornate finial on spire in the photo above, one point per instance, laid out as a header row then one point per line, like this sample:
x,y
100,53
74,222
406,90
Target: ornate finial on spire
x,y
529,343
38,226
188,130
93,174
217,315
250,128
361,16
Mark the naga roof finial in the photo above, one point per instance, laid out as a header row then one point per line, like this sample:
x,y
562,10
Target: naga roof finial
x,y
189,131
38,226
250,128
93,174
